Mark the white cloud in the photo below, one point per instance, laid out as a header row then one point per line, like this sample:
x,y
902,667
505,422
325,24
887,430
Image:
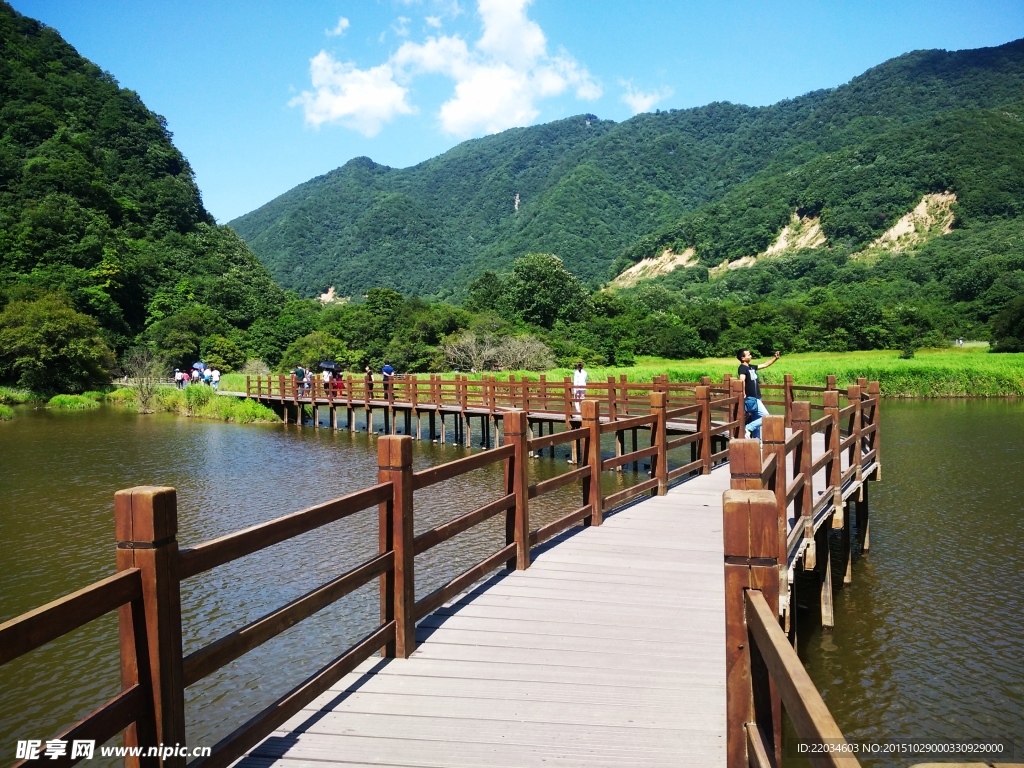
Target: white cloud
x,y
642,101
433,21
339,29
401,26
498,82
361,99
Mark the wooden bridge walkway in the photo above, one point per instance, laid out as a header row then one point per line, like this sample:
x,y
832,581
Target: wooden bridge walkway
x,y
608,651
616,644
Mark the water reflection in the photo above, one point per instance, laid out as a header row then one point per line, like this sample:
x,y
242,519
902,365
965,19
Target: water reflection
x,y
59,474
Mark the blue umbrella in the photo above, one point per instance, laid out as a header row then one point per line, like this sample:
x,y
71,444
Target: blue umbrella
x,y
199,366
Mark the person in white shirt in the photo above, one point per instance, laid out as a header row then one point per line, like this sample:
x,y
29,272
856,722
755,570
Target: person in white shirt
x,y
215,379
579,385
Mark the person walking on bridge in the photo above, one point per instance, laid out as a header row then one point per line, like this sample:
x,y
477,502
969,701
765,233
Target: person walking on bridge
x,y
579,385
752,403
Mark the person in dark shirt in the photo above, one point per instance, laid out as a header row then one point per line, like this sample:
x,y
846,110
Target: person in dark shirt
x,y
388,374
753,408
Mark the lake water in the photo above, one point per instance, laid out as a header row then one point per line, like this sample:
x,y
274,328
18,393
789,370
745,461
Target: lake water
x,y
927,640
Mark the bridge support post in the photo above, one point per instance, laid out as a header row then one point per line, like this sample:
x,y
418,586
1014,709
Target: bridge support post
x,y
398,585
863,520
751,535
146,527
592,453
517,481
659,462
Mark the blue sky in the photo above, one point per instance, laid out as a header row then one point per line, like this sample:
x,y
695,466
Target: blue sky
x,y
264,95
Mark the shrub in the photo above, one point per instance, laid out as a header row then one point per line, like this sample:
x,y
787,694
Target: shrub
x,y
92,394
14,396
6,413
196,397
71,402
122,395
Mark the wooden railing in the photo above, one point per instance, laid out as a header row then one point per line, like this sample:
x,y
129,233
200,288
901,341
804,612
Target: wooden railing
x,y
771,520
146,589
132,709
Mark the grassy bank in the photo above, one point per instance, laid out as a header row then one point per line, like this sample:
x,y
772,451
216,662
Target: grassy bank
x,y
75,402
968,372
203,402
6,413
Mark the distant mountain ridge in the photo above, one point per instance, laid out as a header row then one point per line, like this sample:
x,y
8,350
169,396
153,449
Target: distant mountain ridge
x,y
590,190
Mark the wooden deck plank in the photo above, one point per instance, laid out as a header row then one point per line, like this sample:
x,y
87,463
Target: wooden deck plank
x,y
609,650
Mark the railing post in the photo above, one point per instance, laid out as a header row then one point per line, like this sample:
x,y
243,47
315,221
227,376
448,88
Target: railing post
x,y
592,485
830,382
751,535
659,462
736,412
802,463
773,437
146,527
834,468
517,481
248,386
398,586
875,392
745,465
787,396
704,426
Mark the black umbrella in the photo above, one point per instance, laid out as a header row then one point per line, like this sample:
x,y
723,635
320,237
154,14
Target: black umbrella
x,y
328,365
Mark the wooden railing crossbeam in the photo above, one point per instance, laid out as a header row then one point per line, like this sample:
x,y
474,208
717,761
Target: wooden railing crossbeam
x,y
211,554
442,533
428,477
31,630
217,654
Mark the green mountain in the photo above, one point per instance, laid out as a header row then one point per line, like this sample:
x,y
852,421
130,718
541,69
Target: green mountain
x,y
101,224
592,191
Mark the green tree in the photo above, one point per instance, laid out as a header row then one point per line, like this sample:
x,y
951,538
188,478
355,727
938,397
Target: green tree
x,y
222,353
47,346
542,291
309,350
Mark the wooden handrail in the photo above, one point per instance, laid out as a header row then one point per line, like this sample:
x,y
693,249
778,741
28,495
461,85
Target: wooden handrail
x,y
811,718
38,627
428,477
445,531
215,552
219,653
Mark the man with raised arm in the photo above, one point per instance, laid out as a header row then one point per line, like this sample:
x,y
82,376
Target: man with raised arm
x,y
753,408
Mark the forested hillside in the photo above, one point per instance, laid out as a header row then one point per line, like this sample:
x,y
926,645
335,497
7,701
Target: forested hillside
x,y
104,240
589,189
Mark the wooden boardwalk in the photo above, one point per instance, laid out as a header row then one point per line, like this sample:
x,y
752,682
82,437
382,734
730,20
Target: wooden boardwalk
x,y
626,642
609,650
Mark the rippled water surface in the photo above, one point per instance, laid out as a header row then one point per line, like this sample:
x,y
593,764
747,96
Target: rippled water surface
x,y
928,640
59,474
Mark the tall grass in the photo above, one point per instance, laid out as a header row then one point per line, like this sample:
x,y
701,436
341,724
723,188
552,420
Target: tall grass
x,y
6,412
16,396
202,402
71,402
